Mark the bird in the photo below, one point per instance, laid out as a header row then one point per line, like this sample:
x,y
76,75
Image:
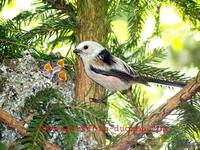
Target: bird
x,y
52,67
54,70
110,71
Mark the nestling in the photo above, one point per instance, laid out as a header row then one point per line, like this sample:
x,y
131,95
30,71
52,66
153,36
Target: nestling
x,y
109,71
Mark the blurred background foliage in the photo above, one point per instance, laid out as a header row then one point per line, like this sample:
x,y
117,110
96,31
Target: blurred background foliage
x,y
155,37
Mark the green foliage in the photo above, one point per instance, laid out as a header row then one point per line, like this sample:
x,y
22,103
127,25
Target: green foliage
x,y
55,120
177,137
137,11
40,101
136,17
67,124
91,115
3,146
122,110
159,73
47,33
34,138
4,3
187,118
186,130
51,115
190,10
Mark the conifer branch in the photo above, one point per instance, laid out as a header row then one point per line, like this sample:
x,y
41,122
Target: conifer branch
x,y
159,114
59,5
12,123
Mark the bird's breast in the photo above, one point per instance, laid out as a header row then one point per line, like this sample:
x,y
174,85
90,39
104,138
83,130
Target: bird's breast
x,y
109,82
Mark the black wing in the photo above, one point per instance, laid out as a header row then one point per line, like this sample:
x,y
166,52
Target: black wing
x,y
119,74
106,57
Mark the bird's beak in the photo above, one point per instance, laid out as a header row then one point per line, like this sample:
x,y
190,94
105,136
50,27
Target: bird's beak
x,y
76,50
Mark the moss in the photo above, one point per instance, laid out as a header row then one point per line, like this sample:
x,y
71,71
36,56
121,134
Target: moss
x,y
40,101
2,83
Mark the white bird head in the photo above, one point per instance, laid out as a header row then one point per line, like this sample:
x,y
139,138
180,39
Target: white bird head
x,y
88,50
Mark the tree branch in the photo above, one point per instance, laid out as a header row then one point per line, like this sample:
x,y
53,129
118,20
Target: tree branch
x,y
159,114
12,123
57,4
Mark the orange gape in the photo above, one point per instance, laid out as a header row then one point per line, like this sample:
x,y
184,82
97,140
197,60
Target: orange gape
x,y
54,70
62,75
61,63
48,66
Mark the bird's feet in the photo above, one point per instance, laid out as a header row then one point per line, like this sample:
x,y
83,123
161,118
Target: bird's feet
x,y
99,101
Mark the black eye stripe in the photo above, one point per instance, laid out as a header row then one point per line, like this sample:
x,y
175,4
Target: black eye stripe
x,y
85,47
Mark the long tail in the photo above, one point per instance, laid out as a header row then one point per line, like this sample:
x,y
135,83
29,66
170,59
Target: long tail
x,y
164,82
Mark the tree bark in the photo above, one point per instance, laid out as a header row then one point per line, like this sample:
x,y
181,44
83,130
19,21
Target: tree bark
x,y
92,24
12,123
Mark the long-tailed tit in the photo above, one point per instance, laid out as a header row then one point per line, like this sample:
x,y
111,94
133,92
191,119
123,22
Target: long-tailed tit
x,y
109,71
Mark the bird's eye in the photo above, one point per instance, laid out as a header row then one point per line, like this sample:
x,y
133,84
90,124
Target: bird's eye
x,y
85,47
